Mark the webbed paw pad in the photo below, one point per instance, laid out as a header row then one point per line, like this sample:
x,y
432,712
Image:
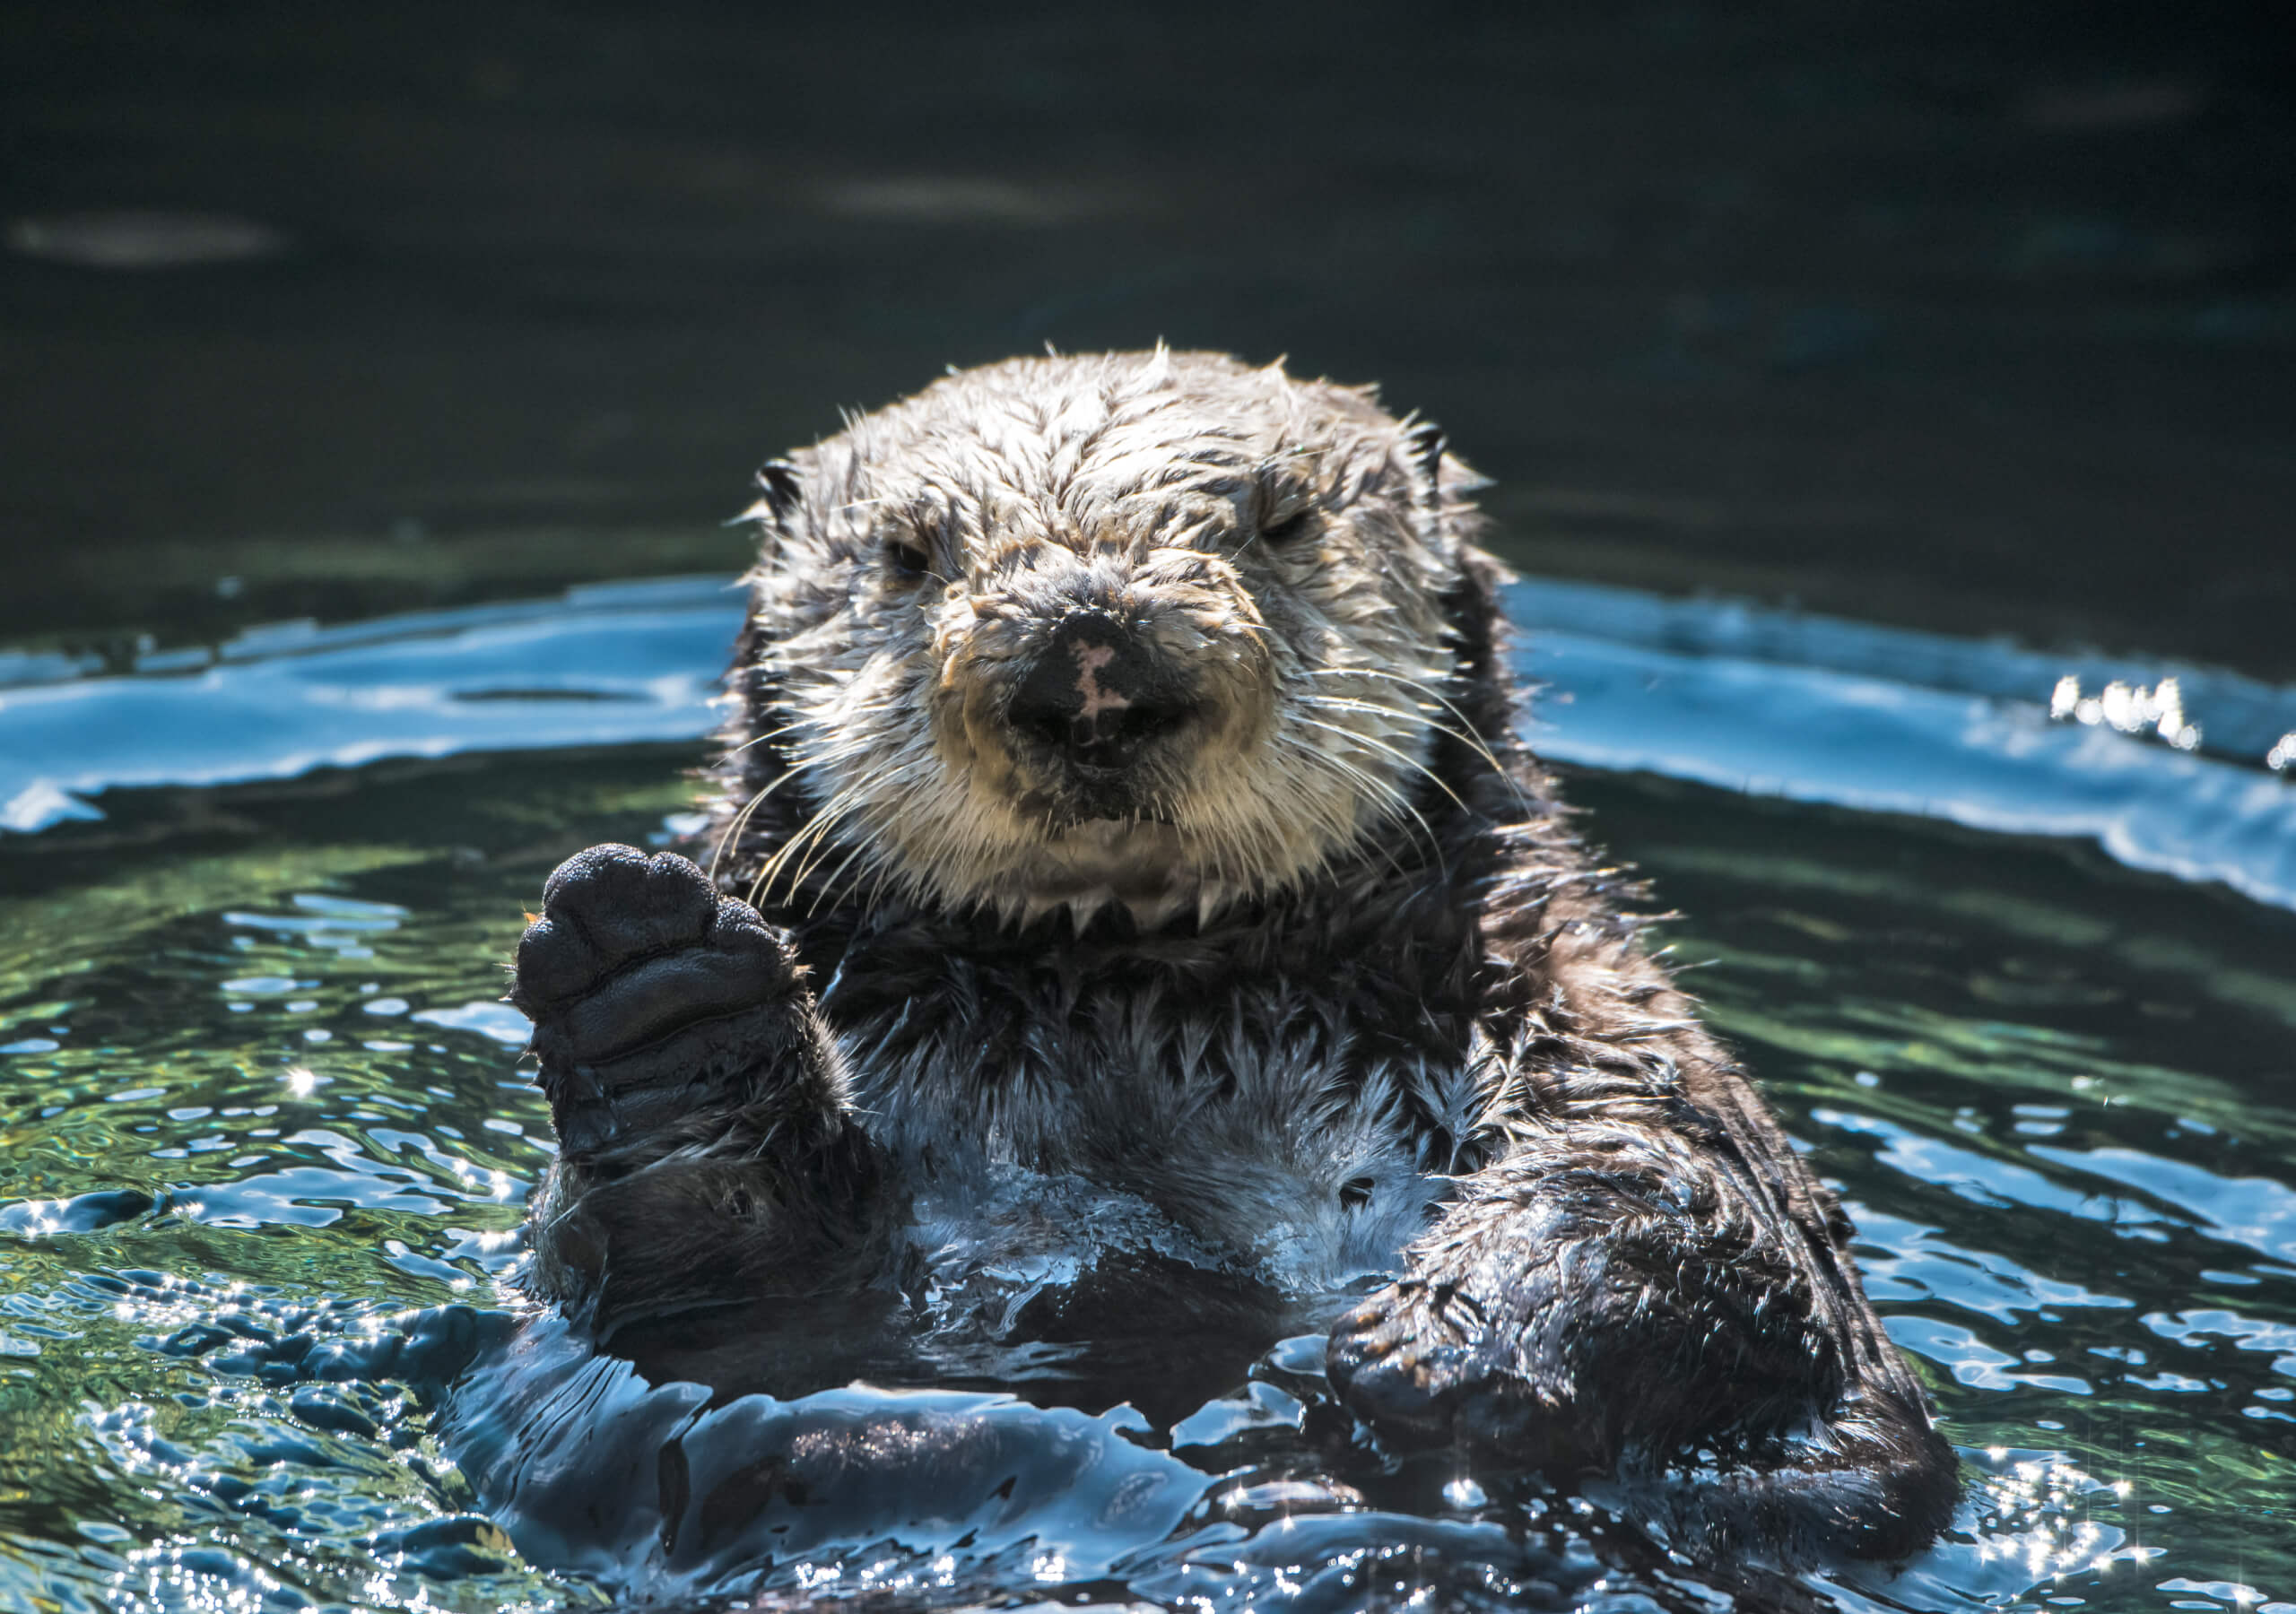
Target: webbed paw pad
x,y
644,984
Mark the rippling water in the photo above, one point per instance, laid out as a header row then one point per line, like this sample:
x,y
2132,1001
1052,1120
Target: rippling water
x,y
2026,989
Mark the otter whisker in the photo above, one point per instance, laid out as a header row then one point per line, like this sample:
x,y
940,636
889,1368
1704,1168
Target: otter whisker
x,y
761,739
761,887
1404,758
1336,702
811,831
842,804
829,880
731,836
1383,805
1466,733
1382,796
1420,711
1388,675
877,862
733,829
1390,803
849,800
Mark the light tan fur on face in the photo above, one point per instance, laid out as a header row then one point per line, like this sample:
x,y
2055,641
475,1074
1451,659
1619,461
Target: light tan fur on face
x,y
1140,485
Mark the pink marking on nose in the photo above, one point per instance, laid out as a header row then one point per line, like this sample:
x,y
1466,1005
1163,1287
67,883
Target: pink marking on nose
x,y
1089,660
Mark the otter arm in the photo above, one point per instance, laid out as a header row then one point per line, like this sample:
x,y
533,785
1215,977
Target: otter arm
x,y
706,1149
1646,1269
1611,1297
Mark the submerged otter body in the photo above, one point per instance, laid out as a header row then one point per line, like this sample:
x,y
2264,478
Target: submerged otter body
x,y
1125,864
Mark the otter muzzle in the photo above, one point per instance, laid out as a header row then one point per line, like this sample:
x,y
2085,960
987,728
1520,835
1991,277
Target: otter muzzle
x,y
1097,694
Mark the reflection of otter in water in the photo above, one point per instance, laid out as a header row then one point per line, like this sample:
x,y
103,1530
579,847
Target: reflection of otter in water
x,y
1147,881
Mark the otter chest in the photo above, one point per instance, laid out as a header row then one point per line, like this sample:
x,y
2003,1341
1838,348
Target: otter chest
x,y
1255,1128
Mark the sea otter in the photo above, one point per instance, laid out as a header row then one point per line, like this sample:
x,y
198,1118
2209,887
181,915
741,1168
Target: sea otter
x,y
1126,863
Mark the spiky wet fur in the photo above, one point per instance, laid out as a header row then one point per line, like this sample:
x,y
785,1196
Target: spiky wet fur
x,y
1347,996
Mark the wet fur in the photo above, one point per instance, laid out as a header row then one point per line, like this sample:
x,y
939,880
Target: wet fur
x,y
1345,995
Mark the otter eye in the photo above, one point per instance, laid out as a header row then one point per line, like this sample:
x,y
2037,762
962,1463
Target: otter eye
x,y
907,559
1284,531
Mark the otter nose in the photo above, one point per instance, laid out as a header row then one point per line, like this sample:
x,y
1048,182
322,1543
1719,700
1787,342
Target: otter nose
x,y
1097,693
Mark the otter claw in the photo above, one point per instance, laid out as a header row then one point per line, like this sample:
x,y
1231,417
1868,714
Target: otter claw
x,y
1401,1365
1393,1368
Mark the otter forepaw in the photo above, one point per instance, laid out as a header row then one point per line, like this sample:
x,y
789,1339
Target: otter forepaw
x,y
655,1001
1446,1360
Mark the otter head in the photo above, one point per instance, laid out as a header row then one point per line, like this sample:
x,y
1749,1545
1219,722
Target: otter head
x,y
1150,629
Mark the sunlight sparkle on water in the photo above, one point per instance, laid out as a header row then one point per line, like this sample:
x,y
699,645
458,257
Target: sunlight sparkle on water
x,y
2033,1507
2128,708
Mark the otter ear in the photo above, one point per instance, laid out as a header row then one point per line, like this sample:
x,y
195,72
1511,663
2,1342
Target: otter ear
x,y
1422,448
1442,487
780,490
1423,443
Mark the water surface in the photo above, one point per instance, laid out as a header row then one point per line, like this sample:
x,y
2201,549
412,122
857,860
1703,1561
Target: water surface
x,y
2023,988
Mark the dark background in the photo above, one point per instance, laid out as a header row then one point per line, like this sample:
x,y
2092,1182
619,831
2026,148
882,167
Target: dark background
x,y
1974,316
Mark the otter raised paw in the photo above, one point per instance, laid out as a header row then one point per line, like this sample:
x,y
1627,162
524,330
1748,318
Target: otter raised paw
x,y
699,1110
656,1003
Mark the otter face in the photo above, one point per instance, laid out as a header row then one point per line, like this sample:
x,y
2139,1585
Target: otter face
x,y
1154,630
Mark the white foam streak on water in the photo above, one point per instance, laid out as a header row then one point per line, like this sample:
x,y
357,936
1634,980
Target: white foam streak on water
x,y
1810,709
2244,714
1814,735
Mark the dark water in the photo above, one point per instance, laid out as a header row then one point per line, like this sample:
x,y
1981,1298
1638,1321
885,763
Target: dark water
x,y
1963,314
2024,988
